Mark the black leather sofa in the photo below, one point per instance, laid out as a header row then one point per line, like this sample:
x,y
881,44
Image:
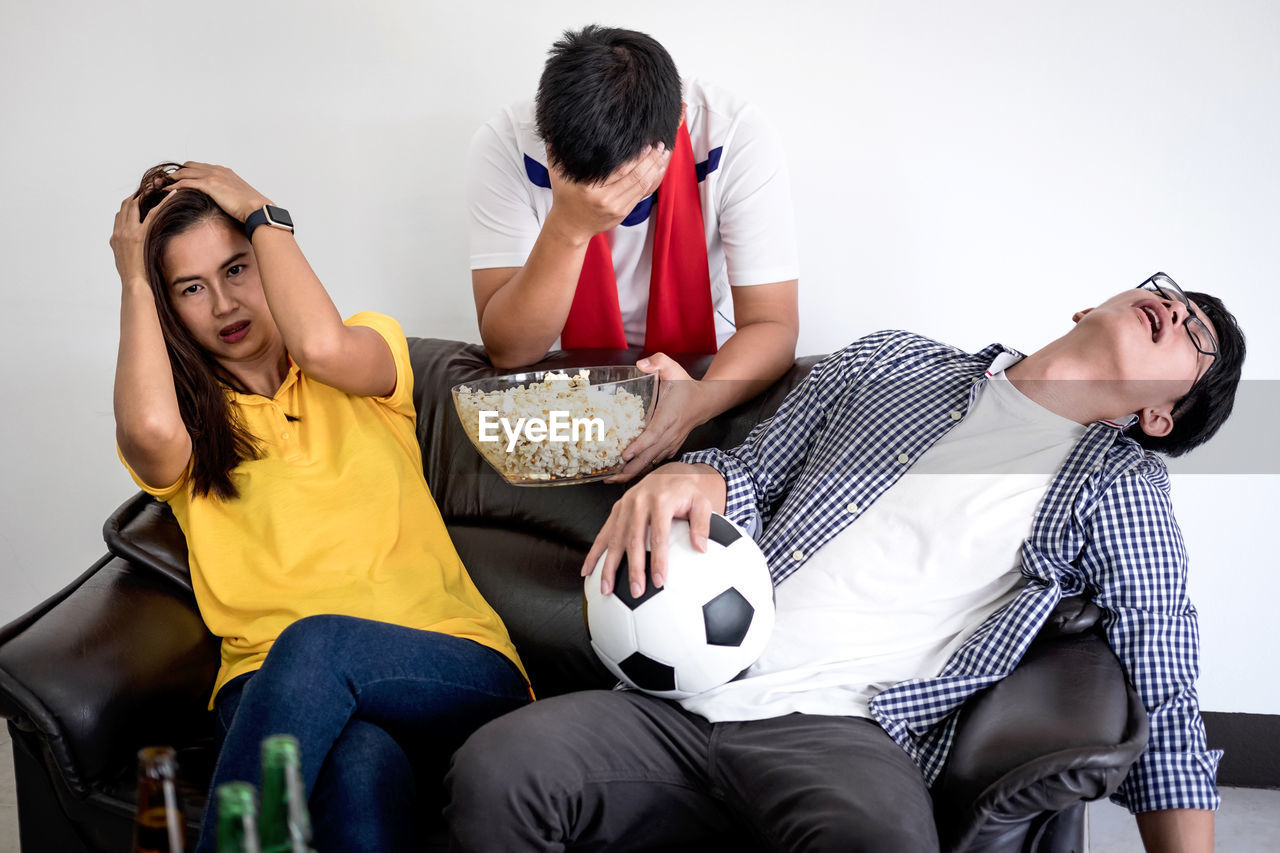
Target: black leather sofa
x,y
120,658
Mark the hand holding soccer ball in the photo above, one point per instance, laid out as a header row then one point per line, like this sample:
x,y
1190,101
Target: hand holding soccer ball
x,y
708,622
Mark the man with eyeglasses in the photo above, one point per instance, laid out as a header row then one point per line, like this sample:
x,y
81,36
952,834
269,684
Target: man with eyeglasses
x,y
1201,338
922,510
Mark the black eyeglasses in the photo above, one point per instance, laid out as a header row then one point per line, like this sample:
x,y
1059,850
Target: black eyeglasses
x,y
1201,338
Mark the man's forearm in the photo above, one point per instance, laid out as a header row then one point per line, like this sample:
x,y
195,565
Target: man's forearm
x,y
534,304
749,362
525,316
1177,831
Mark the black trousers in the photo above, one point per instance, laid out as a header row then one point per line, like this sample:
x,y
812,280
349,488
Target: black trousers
x,y
619,771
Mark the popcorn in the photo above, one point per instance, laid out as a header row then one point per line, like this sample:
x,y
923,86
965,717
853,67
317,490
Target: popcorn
x,y
560,427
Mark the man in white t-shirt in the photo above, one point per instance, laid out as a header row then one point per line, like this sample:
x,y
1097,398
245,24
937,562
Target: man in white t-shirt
x,y
617,210
922,511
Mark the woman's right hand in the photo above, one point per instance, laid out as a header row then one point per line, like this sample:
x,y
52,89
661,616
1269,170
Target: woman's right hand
x,y
150,431
129,238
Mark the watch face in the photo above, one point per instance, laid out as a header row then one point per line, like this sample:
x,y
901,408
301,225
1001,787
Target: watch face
x,y
278,216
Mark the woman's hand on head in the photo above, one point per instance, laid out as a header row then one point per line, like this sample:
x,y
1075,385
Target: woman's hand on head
x,y
129,238
228,190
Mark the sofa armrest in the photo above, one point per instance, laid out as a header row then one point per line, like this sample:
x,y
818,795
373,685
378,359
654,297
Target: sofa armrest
x,y
118,659
1063,727
144,532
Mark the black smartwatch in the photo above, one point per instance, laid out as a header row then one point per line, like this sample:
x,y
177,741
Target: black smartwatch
x,y
269,214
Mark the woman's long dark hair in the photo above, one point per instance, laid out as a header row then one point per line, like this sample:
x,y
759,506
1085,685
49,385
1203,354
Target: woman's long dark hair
x,y
219,441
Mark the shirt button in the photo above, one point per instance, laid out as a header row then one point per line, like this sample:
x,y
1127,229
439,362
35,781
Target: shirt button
x,y
904,458
852,508
957,415
797,555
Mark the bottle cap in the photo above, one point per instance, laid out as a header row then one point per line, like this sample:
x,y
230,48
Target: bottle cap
x,y
236,798
280,750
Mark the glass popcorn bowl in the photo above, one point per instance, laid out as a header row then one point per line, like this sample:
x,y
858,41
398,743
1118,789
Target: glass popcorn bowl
x,y
555,428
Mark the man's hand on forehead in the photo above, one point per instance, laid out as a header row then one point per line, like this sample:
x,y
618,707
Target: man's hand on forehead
x,y
644,172
589,209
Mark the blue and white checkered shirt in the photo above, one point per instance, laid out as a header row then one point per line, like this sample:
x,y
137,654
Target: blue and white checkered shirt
x,y
860,420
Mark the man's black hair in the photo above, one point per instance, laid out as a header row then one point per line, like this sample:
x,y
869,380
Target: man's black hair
x,y
1198,415
604,95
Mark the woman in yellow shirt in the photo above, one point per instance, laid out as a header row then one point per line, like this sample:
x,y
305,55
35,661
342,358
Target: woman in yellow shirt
x,y
283,438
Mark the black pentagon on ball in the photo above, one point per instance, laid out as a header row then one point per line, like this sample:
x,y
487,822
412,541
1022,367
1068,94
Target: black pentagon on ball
x,y
727,618
647,674
622,585
722,531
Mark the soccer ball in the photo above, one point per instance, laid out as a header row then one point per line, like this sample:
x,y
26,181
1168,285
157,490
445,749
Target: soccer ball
x,y
703,627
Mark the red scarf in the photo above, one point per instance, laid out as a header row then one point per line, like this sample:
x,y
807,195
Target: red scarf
x,y
680,318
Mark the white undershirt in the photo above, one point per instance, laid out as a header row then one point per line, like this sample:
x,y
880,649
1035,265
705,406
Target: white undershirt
x,y
894,594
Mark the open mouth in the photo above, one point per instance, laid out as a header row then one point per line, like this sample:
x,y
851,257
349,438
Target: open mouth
x,y
1153,319
235,331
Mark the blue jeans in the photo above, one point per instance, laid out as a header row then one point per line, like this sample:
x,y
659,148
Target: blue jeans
x,y
370,703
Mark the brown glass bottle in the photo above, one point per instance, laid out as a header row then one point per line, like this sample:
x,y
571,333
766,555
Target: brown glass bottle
x,y
158,826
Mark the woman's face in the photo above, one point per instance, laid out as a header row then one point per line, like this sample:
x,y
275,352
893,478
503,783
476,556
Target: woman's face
x,y
212,278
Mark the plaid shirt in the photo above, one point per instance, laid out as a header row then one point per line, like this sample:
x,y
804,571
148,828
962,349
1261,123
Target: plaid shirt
x,y
860,420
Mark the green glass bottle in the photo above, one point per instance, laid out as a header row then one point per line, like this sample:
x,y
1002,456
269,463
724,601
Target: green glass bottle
x,y
237,818
285,826
158,825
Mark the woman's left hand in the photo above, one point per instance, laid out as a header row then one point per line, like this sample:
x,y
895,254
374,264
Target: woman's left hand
x,y
671,422
228,190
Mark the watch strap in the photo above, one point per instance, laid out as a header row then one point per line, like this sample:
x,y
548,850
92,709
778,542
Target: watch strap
x,y
268,214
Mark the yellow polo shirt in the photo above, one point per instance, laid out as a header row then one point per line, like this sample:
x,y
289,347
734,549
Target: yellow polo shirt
x,y
335,518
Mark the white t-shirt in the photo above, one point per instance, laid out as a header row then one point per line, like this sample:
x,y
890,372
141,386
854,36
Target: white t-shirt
x,y
894,594
745,193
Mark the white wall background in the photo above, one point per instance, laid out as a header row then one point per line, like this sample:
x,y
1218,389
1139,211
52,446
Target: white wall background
x,y
971,171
